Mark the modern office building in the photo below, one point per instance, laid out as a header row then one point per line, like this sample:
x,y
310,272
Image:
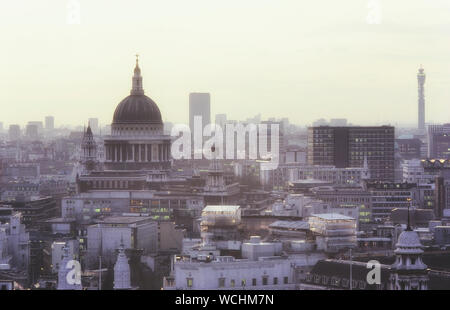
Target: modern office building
x,y
334,232
199,105
14,132
220,222
414,172
35,210
49,123
409,147
32,131
349,147
346,198
387,196
439,141
135,232
337,176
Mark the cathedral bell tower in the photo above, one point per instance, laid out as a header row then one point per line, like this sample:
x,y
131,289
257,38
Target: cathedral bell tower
x,y
409,272
88,150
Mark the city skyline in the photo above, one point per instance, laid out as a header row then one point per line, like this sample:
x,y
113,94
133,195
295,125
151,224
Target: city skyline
x,y
245,148
246,67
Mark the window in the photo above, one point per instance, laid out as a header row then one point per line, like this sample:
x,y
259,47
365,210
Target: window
x,y
221,282
232,283
286,280
254,282
275,281
264,280
243,282
190,282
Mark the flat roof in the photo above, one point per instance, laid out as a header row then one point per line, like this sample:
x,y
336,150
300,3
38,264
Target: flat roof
x,y
333,216
61,220
123,219
221,208
290,225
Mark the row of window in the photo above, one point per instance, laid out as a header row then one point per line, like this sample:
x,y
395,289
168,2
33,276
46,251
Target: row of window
x,y
243,283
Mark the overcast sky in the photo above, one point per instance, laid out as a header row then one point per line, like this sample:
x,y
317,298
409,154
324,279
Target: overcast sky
x,y
282,58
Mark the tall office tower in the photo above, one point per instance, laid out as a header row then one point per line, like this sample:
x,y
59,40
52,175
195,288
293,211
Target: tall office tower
x,y
349,146
39,125
93,123
221,120
32,131
439,141
14,132
421,82
199,105
49,123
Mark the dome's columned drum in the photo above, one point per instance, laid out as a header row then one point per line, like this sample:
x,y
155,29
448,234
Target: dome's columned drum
x,y
137,109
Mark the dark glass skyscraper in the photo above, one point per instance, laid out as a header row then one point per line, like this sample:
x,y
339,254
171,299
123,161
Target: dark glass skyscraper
x,y
350,146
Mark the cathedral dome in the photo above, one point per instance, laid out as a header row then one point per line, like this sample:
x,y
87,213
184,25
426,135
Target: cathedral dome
x,y
409,242
409,238
137,109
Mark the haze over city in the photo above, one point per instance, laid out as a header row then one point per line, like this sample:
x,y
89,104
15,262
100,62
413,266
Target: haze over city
x,y
277,58
329,167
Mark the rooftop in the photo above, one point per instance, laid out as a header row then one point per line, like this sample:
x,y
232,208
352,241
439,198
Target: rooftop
x,y
332,216
123,219
228,208
290,225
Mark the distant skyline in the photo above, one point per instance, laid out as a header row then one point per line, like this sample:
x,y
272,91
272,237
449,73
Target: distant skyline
x,y
278,58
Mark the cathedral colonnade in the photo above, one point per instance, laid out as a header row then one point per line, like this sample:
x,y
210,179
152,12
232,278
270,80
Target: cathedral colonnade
x,y
137,152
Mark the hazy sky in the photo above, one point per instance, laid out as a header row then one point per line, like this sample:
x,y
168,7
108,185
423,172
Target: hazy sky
x,y
282,58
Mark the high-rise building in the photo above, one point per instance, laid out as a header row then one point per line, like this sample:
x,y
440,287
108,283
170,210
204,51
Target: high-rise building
x,y
439,141
1,127
421,82
32,131
39,126
93,123
14,132
221,120
49,123
344,147
199,105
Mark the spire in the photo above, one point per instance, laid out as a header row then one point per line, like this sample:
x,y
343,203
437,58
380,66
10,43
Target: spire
x,y
137,80
408,228
122,269
122,246
89,130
